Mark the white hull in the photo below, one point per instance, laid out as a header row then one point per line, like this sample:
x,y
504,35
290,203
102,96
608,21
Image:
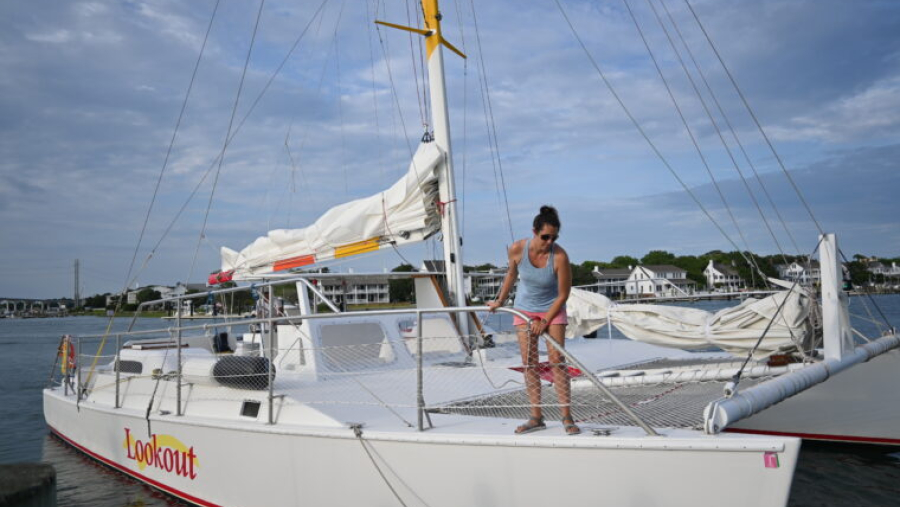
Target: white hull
x,y
254,464
861,405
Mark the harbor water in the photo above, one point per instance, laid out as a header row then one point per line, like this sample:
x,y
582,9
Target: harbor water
x,y
827,474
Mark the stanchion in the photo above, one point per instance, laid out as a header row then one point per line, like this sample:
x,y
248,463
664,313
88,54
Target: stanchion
x,y
420,395
271,334
118,367
178,373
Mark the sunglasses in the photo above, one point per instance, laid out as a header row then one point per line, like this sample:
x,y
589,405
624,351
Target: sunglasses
x,y
549,237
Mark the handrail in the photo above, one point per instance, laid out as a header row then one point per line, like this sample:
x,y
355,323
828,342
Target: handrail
x,y
418,312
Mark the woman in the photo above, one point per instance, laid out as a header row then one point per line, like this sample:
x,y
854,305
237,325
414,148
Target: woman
x,y
546,280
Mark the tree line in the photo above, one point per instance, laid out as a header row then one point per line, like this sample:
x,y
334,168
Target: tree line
x,y
745,263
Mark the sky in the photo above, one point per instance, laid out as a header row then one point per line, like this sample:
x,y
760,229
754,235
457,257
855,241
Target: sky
x,y
91,93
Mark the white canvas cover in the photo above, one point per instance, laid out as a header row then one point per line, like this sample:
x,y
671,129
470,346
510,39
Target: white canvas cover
x,y
404,213
735,329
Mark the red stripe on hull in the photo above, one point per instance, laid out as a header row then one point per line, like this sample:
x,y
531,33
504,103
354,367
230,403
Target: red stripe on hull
x,y
127,471
816,436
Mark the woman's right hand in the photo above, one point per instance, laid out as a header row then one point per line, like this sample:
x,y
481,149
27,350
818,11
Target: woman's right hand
x,y
493,305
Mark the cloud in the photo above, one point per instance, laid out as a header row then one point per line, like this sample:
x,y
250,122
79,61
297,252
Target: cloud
x,y
842,191
90,93
867,115
54,37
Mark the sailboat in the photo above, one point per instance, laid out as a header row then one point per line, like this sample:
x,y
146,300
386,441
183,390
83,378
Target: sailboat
x,y
342,408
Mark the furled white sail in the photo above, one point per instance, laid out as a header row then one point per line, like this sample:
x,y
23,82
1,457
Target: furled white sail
x,y
735,329
407,212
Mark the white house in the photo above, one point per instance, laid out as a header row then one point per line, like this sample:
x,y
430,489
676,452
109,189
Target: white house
x,y
485,286
610,281
659,280
890,273
164,291
807,273
357,289
723,278
878,268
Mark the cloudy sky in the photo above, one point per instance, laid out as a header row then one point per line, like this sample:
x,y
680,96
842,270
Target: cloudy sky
x,y
90,94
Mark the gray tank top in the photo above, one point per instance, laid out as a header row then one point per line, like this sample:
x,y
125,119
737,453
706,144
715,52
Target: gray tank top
x,y
538,287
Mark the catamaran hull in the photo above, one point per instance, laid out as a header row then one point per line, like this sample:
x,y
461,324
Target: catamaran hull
x,y
860,405
217,465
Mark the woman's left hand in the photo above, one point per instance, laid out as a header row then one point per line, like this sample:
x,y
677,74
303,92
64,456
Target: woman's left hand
x,y
538,327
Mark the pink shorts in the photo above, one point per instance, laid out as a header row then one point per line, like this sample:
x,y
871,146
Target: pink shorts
x,y
560,319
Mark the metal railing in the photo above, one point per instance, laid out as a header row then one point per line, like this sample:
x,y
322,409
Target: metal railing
x,y
269,322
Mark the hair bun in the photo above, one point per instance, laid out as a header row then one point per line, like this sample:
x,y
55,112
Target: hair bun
x,y
549,210
547,216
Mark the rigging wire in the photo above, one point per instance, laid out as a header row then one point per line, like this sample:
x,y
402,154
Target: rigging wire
x,y
770,145
385,46
465,108
306,130
220,154
423,65
294,165
644,134
171,144
731,128
491,150
489,112
382,163
265,199
399,113
387,63
870,298
237,100
128,279
755,120
420,95
715,125
691,134
736,379
337,67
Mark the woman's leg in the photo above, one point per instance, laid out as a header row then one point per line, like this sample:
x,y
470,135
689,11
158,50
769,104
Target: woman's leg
x,y
529,350
560,370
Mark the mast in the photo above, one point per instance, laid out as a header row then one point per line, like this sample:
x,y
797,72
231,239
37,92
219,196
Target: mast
x,y
453,258
434,43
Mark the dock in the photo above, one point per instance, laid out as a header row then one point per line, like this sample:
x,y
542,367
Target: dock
x,y
28,484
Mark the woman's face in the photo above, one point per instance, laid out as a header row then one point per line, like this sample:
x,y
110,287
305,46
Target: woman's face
x,y
546,236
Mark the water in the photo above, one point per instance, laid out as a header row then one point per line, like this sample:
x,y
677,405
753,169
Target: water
x,y
827,474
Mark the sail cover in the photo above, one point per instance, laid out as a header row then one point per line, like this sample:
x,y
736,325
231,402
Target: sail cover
x,y
407,212
735,329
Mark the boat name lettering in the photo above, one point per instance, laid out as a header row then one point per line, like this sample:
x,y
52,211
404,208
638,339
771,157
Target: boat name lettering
x,y
164,452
